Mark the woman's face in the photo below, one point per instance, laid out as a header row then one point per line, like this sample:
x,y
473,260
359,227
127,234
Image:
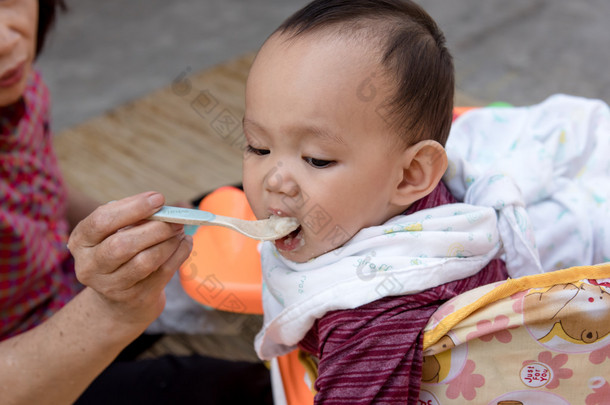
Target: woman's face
x,y
18,26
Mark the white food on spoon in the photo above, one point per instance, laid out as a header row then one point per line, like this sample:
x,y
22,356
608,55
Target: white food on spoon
x,y
282,225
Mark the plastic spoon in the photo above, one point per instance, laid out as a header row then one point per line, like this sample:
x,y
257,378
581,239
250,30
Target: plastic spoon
x,y
265,229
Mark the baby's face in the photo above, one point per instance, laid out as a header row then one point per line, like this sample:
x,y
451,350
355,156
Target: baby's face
x,y
18,25
319,150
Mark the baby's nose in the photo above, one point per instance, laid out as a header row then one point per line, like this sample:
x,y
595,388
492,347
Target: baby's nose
x,y
280,179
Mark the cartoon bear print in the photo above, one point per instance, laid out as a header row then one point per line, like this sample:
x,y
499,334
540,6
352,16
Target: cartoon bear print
x,y
431,367
581,309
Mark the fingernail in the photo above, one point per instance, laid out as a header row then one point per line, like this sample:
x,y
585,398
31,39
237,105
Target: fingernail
x,y
155,200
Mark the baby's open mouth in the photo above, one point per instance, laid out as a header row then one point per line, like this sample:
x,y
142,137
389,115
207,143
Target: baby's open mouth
x,y
291,241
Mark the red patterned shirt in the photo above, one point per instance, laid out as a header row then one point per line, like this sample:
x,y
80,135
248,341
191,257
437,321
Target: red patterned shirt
x,y
36,272
374,353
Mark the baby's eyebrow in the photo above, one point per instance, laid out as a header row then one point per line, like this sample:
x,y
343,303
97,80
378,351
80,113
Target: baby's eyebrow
x,y
248,122
321,133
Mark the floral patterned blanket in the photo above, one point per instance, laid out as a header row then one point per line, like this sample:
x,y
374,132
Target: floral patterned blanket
x,y
541,339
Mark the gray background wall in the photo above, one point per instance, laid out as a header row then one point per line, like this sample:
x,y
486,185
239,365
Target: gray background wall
x,y
105,53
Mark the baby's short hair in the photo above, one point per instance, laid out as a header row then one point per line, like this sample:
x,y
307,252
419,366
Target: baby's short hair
x,y
412,52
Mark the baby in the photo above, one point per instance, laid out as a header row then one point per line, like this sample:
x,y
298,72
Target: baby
x,y
348,106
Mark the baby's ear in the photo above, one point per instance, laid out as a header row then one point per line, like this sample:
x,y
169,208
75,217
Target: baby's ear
x,y
423,166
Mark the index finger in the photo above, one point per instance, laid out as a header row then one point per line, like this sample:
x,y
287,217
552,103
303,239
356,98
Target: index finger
x,y
109,218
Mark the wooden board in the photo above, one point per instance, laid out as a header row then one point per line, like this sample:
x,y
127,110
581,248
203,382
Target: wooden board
x,y
181,140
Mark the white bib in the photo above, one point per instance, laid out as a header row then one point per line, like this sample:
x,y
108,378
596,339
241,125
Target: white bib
x,y
406,255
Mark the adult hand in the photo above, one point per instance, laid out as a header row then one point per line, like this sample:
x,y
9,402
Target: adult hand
x,y
125,261
128,260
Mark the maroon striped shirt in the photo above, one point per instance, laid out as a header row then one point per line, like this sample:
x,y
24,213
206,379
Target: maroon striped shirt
x,y
36,272
373,354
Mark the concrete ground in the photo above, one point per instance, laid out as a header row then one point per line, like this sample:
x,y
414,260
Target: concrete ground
x,y
105,53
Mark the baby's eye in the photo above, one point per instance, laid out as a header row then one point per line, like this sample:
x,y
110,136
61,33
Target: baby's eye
x,y
318,163
257,151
